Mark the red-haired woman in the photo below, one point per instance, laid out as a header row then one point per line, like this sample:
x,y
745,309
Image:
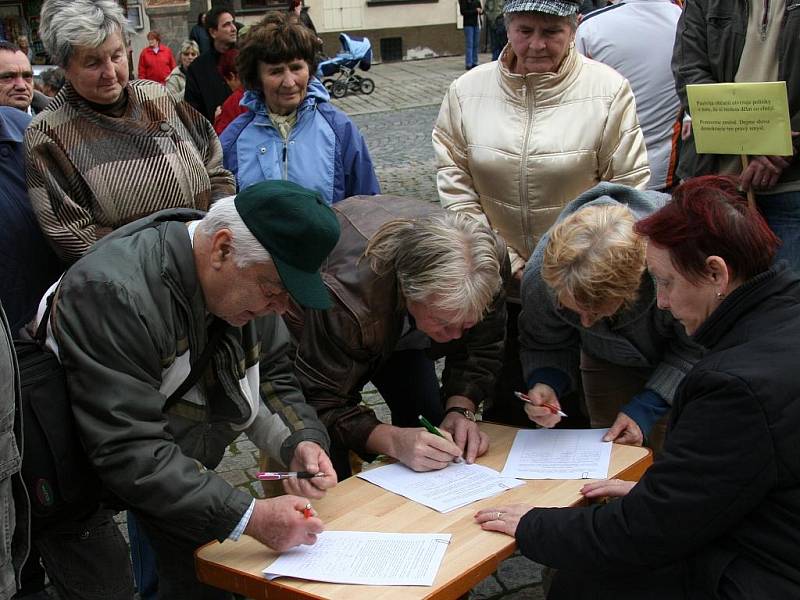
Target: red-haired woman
x,y
718,514
156,61
231,108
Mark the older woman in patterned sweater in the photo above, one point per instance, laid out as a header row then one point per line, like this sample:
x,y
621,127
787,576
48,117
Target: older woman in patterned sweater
x,y
109,151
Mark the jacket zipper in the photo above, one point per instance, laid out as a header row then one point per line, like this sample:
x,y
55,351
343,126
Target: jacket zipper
x,y
285,161
523,176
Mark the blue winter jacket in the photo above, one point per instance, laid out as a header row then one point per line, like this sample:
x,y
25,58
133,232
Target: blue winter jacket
x,y
324,152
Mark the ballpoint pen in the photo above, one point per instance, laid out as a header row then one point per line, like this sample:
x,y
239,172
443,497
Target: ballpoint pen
x,y
432,429
550,407
276,475
427,425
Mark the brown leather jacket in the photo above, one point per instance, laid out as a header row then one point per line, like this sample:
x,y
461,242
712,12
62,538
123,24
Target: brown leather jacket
x,y
338,350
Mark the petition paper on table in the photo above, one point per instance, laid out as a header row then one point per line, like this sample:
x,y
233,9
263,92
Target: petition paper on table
x,y
559,454
444,490
367,558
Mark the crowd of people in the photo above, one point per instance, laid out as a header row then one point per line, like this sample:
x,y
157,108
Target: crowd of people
x,y
208,253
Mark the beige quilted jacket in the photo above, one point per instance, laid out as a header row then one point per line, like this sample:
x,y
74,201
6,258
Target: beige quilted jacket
x,y
513,150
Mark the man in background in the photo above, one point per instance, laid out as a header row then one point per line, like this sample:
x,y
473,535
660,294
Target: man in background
x,y
205,87
635,37
736,41
16,81
27,264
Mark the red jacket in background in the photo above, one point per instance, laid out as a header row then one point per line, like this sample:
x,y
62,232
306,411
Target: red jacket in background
x,y
230,110
156,66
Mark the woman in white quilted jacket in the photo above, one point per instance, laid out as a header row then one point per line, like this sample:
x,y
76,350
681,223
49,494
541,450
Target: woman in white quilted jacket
x,y
518,138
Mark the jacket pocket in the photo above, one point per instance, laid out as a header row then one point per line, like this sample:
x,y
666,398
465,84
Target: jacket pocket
x,y
723,33
10,459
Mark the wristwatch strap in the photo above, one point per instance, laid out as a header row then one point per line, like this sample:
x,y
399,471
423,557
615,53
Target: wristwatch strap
x,y
464,412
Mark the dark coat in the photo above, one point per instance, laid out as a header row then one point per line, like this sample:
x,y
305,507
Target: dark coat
x,y
723,501
469,10
28,265
205,87
708,47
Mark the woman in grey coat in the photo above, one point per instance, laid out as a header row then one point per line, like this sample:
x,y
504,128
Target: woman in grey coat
x,y
589,318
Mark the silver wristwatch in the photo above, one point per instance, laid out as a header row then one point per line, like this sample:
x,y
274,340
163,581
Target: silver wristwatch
x,y
465,412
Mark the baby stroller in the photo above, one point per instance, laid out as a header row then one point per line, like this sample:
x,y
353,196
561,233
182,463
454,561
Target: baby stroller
x,y
356,52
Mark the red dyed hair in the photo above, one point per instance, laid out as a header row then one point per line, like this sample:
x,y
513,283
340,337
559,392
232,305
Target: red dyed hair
x,y
709,216
154,35
227,63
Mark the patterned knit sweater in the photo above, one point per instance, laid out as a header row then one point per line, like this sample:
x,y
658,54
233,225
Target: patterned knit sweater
x,y
89,173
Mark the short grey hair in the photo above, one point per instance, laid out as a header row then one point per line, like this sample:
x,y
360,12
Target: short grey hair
x,y
69,24
446,258
247,250
188,45
572,20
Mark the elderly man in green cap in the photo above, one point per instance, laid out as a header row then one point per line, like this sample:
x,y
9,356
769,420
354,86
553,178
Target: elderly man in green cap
x,y
135,316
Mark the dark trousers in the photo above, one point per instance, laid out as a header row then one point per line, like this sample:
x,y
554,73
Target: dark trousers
x,y
408,384
177,579
87,560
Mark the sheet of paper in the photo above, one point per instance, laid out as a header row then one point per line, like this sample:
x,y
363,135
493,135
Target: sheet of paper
x,y
447,489
740,118
367,558
559,454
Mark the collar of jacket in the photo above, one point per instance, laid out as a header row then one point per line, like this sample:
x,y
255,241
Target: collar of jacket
x,y
137,119
315,93
747,298
543,85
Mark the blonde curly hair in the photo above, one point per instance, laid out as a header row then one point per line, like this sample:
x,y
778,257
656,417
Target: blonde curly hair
x,y
595,257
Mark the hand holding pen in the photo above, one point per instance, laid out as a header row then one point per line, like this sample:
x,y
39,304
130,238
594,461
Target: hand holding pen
x,y
435,431
310,472
541,405
419,448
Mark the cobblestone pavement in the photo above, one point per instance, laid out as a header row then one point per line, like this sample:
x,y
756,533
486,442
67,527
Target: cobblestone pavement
x,y
407,84
396,121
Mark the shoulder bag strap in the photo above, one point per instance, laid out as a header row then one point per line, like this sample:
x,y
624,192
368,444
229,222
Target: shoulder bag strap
x,y
215,333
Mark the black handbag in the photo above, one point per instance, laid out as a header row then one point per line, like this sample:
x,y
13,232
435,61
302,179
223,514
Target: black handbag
x,y
60,480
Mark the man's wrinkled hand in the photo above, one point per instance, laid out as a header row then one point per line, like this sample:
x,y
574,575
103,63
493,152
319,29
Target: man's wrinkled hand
x,y
423,451
763,172
310,457
280,523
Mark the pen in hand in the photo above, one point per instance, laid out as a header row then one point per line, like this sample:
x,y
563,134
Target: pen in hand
x,y
276,475
432,429
550,407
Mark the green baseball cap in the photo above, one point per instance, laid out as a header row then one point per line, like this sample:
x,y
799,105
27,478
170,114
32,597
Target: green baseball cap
x,y
298,229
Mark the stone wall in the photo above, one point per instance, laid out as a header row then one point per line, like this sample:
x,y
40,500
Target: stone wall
x,y
170,18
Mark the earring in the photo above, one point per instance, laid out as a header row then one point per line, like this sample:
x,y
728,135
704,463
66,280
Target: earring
x,y
720,296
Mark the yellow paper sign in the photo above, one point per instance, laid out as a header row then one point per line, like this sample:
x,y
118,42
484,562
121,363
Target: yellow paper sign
x,y
740,118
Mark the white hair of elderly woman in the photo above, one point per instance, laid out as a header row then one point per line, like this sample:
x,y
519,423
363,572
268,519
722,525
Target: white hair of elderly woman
x,y
69,24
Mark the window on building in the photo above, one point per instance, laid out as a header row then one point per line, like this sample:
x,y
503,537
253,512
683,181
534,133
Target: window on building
x,y
263,4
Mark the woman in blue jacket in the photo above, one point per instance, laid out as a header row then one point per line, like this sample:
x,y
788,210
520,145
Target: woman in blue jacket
x,y
291,131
